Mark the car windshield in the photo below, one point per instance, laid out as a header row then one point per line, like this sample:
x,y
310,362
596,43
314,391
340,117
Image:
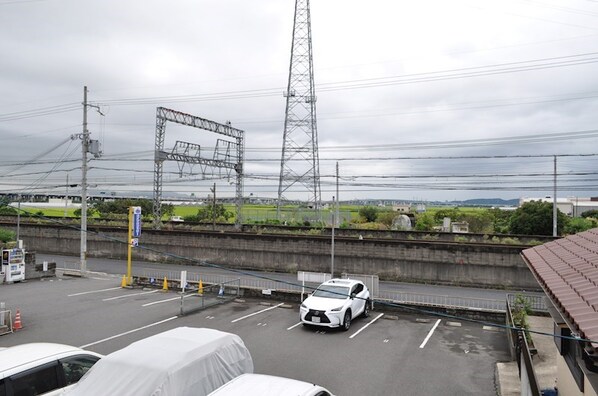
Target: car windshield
x,y
332,291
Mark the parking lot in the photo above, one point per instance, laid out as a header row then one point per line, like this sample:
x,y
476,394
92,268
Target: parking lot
x,y
385,354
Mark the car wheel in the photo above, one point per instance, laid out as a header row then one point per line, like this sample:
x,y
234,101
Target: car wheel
x,y
366,308
347,320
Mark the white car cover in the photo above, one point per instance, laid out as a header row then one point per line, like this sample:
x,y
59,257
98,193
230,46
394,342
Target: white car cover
x,y
179,362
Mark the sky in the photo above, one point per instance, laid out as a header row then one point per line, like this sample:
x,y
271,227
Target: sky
x,y
419,100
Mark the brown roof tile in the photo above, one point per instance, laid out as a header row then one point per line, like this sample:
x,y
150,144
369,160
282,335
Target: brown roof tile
x,y
568,269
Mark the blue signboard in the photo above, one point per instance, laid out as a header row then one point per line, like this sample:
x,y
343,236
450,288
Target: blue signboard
x,y
136,222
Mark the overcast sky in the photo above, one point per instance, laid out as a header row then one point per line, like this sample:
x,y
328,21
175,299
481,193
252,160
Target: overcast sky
x,y
397,82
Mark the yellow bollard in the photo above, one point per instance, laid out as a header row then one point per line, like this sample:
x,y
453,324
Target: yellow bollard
x,y
123,283
200,289
165,285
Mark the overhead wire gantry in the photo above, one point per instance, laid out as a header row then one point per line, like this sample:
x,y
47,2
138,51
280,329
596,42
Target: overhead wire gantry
x,y
227,154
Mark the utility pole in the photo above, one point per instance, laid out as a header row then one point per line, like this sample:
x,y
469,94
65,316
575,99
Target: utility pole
x,y
66,196
19,219
337,219
332,244
84,149
554,206
213,206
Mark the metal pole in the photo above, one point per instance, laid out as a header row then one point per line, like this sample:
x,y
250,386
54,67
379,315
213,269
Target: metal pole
x,y
337,218
66,196
554,207
332,246
18,219
84,149
129,248
214,207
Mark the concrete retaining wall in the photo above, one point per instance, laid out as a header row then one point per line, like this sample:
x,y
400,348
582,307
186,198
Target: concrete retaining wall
x,y
483,265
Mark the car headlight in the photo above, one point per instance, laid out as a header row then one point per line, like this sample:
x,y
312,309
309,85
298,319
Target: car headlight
x,y
303,306
337,309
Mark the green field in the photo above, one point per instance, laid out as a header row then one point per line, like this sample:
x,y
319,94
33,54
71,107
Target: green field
x,y
253,212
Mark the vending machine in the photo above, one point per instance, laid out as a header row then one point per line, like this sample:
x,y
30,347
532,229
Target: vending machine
x,y
13,265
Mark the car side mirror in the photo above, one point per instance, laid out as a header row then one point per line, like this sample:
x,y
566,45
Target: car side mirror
x,y
353,296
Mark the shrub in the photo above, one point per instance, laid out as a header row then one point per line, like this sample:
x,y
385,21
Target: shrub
x,y
6,235
369,213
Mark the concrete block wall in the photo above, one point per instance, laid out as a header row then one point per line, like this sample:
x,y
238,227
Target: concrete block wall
x,y
485,265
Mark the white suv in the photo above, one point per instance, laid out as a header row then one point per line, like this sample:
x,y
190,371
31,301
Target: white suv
x,y
41,368
268,385
336,303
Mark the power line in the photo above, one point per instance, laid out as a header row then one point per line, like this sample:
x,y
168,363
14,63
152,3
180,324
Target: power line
x,y
63,108
449,74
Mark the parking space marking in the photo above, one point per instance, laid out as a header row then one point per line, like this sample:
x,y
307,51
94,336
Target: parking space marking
x,y
128,332
256,313
161,301
430,334
93,291
129,295
364,327
293,326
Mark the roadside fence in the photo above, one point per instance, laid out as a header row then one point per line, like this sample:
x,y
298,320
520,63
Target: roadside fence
x,y
5,322
435,300
522,353
423,299
535,302
244,281
206,295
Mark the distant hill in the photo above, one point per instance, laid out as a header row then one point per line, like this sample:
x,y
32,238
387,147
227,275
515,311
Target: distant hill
x,y
488,202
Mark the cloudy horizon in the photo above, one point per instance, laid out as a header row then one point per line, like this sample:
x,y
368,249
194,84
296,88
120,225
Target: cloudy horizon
x,y
417,101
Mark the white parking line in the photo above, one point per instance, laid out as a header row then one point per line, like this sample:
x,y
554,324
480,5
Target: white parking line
x,y
93,291
161,301
293,326
430,334
129,295
363,328
128,332
255,313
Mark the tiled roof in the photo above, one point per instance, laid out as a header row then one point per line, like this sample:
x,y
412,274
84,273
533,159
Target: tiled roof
x,y
567,269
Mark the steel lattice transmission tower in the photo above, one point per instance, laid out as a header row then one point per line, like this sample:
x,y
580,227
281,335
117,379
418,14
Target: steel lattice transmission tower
x,y
300,163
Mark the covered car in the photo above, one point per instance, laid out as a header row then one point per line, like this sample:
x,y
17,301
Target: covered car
x,y
181,362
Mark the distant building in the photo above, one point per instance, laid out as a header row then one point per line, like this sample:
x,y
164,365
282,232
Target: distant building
x,y
571,206
401,208
461,227
458,227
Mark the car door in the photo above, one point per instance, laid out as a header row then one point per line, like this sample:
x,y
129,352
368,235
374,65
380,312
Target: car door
x,y
35,381
358,303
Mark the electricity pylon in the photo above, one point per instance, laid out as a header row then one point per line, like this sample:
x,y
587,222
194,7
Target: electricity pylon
x,y
300,164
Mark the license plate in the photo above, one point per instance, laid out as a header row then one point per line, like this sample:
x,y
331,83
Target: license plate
x,y
315,319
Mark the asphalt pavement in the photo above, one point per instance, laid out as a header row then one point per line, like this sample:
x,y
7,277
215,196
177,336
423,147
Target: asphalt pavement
x,y
385,354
